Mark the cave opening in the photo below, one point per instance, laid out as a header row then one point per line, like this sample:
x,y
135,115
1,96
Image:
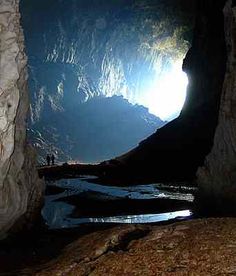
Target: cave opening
x,y
103,75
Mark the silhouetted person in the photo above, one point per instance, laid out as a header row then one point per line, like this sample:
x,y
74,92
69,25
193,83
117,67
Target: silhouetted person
x,y
53,159
48,158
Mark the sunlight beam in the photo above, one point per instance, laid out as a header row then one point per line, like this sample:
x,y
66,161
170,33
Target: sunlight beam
x,y
166,96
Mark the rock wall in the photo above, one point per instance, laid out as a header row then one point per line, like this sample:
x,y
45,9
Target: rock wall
x,y
20,189
217,179
177,150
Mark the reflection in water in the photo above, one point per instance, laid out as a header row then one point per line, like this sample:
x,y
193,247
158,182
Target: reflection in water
x,y
57,213
147,218
151,191
63,222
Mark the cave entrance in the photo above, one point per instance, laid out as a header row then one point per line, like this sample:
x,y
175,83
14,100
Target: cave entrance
x,y
103,74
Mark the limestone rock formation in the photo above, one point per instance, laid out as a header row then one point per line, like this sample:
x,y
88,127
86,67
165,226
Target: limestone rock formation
x,y
217,179
20,189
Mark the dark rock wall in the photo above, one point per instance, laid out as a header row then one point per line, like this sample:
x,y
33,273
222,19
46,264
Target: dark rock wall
x,y
217,178
205,62
176,150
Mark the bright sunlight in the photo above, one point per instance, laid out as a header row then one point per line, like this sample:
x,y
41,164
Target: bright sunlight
x,y
166,96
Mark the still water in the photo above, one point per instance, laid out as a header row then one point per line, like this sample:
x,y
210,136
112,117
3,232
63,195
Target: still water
x,y
59,209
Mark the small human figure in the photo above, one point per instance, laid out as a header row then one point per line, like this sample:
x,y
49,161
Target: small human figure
x,y
53,159
48,158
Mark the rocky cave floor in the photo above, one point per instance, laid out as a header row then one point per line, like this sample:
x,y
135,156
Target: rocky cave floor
x,y
195,247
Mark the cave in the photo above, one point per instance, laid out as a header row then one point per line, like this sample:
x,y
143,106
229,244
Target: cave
x,y
198,146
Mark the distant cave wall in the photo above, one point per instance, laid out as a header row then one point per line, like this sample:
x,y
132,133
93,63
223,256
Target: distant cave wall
x,y
20,188
217,179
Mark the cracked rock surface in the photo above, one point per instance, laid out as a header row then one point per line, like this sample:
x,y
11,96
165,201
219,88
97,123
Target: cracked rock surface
x,y
20,189
199,247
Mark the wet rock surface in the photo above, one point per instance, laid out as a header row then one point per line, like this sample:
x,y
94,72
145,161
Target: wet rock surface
x,y
197,247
